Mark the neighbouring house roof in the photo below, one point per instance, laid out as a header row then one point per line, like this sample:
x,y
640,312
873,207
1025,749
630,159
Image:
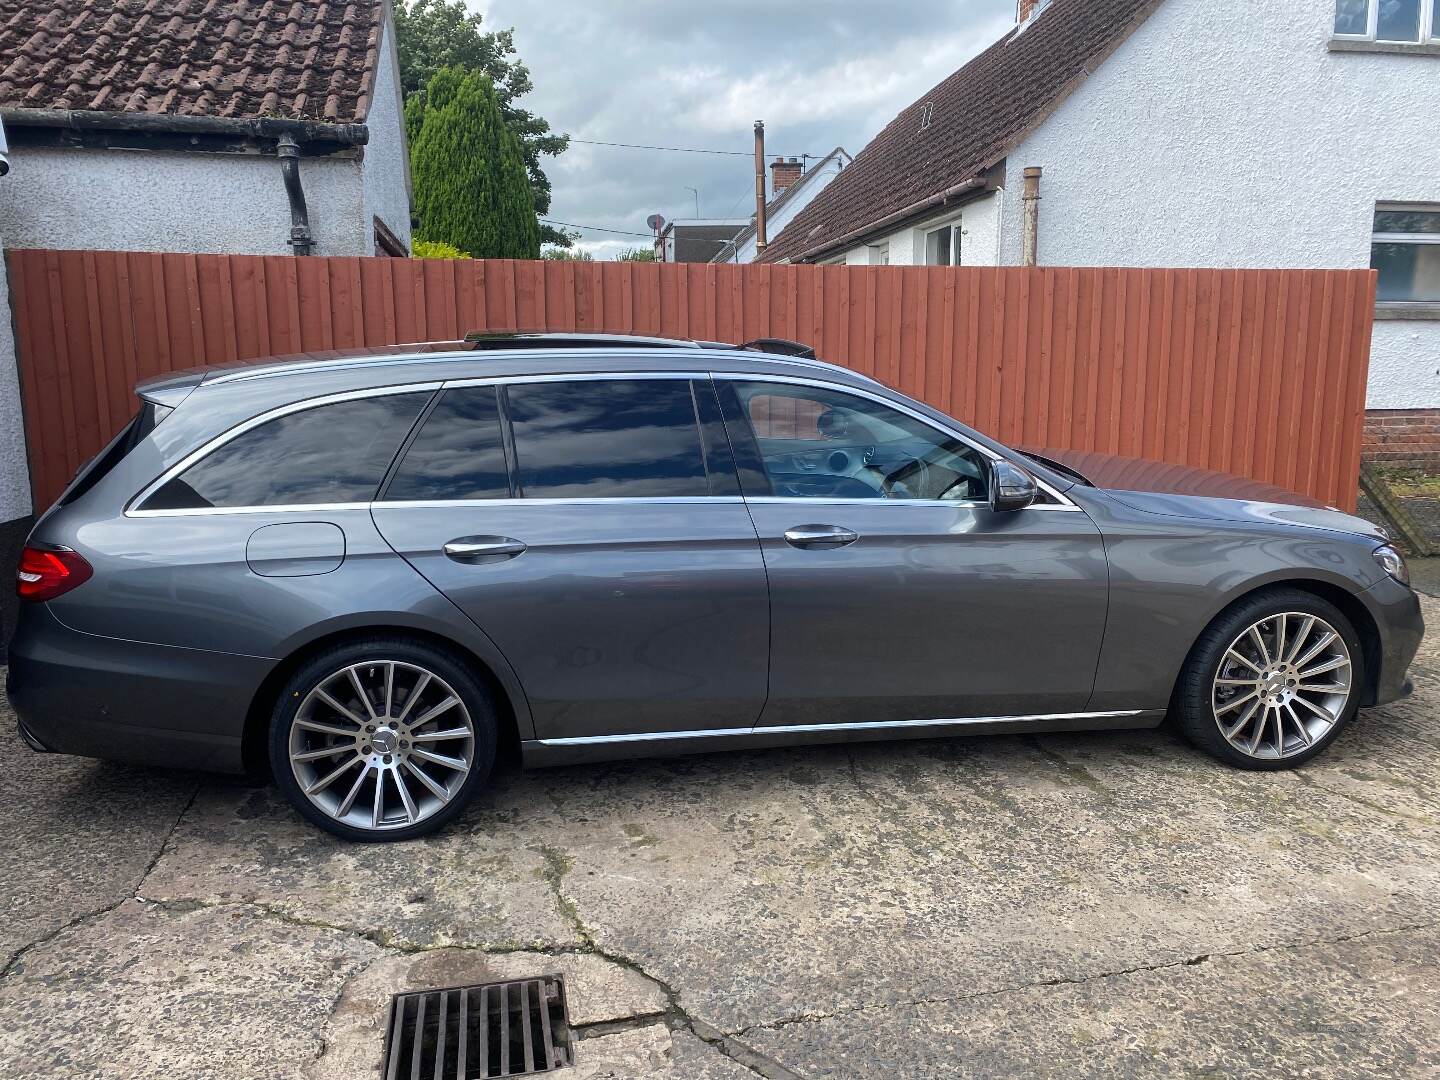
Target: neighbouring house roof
x,y
965,125
290,59
778,203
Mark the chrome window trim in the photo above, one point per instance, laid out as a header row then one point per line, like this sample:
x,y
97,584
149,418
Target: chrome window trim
x,y
832,500
1062,503
663,500
277,508
800,729
132,507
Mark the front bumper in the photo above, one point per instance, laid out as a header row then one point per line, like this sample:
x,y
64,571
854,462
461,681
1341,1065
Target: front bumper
x,y
78,693
1396,611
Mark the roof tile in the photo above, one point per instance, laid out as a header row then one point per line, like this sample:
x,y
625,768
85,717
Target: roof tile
x,y
975,117
192,57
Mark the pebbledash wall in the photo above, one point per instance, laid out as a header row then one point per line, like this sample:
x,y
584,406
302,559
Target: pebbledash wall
x,y
1207,140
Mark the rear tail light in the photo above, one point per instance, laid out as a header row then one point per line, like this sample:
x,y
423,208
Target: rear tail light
x,y
46,573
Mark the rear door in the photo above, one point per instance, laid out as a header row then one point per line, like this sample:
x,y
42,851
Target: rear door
x,y
592,526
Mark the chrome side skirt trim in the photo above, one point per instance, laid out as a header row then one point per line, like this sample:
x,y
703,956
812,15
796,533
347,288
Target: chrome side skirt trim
x,y
800,729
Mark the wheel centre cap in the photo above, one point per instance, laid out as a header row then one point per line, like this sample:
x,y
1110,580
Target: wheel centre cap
x,y
384,741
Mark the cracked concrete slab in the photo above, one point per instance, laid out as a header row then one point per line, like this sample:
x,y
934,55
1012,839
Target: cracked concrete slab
x,y
1051,899
80,836
146,991
1360,1008
473,885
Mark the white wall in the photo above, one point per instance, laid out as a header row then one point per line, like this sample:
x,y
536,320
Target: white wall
x,y
139,200
386,166
1229,136
812,183
14,478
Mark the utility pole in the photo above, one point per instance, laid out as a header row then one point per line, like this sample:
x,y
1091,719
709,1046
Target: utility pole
x,y
759,186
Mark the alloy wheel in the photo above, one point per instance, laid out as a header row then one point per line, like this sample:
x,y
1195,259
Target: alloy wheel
x,y
381,745
1282,685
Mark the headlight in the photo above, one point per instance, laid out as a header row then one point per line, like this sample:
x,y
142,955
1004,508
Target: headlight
x,y
1393,563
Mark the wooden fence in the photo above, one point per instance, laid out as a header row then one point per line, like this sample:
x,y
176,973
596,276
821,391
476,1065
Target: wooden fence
x,y
1256,372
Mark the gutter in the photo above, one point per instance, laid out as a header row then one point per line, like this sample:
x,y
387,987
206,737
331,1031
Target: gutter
x,y
257,127
974,185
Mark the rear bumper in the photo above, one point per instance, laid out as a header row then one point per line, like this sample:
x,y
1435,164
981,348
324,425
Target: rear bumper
x,y
1396,610
129,701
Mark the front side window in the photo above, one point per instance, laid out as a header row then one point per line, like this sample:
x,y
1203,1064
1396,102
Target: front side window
x,y
1405,249
813,442
606,439
458,453
334,453
1410,21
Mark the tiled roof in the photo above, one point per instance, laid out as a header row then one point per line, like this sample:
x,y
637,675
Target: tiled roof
x,y
968,122
298,59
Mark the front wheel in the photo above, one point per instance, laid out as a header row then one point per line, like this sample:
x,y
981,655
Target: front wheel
x,y
383,739
1271,681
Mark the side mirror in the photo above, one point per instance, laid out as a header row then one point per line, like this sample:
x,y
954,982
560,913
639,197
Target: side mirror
x,y
1011,487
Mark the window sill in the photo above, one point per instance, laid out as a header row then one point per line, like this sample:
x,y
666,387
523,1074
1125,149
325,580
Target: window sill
x,y
1409,312
1409,48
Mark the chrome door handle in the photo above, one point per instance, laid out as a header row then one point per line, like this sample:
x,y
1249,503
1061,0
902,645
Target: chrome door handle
x,y
819,536
476,548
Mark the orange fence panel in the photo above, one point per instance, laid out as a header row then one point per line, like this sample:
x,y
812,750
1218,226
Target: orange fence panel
x,y
1255,372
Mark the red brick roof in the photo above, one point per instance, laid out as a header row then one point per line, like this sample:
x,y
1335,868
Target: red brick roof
x,y
975,117
299,59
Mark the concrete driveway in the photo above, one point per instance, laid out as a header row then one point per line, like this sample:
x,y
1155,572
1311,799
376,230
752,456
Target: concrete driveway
x,y
1101,904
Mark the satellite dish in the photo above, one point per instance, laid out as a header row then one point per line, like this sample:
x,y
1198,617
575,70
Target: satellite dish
x,y
656,222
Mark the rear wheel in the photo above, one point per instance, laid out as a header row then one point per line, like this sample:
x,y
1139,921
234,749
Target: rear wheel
x,y
383,739
1271,681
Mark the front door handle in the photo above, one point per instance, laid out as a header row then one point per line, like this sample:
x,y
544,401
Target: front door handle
x,y
819,536
483,548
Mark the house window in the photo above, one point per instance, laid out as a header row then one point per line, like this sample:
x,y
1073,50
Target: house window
x,y
1411,21
1406,251
942,246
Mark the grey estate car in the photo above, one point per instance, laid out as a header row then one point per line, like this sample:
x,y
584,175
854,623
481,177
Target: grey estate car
x,y
365,571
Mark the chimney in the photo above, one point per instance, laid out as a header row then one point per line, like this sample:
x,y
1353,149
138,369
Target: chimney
x,y
1025,9
783,175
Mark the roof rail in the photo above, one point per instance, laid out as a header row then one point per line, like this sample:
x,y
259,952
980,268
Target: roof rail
x,y
783,346
532,339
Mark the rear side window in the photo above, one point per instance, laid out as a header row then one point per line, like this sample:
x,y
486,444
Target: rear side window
x,y
334,453
131,435
604,438
458,453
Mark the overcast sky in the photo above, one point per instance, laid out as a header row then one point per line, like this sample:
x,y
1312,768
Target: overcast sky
x,y
820,73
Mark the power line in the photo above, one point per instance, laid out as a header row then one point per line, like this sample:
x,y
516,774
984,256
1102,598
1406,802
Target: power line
x,y
683,149
597,228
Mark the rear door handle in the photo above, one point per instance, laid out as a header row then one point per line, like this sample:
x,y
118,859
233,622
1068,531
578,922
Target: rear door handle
x,y
483,548
819,536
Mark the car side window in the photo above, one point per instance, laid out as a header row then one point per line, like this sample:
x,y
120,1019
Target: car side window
x,y
606,438
458,453
335,453
814,442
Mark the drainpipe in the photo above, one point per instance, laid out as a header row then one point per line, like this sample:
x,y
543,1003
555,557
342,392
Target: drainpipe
x,y
760,240
288,151
1030,200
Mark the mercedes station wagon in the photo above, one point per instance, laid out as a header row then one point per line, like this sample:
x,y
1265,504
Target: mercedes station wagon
x,y
367,571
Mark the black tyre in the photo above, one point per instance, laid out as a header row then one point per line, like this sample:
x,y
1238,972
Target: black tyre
x,y
1272,681
382,739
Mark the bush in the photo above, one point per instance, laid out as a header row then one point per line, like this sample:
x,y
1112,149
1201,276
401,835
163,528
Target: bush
x,y
434,249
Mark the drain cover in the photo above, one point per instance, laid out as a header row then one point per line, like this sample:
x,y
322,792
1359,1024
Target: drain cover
x,y
475,1032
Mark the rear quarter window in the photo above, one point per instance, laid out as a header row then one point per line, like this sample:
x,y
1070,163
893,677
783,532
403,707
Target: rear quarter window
x,y
335,453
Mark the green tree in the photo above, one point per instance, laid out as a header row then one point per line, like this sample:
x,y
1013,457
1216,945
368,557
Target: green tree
x,y
471,187
559,254
636,254
435,34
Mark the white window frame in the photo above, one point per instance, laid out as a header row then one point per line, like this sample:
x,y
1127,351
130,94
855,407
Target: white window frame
x,y
1406,238
955,228
1372,26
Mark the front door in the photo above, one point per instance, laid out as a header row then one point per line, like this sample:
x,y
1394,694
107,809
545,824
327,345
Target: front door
x,y
896,594
593,528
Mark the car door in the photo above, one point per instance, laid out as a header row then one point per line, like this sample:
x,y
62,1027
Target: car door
x,y
896,594
593,528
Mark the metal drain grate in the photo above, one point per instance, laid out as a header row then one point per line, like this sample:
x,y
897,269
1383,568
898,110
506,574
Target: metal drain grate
x,y
477,1032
